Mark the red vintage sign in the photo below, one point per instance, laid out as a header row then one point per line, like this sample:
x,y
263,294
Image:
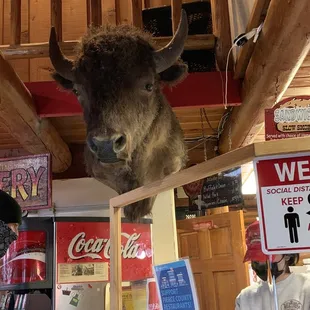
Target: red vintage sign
x,y
83,251
28,180
290,118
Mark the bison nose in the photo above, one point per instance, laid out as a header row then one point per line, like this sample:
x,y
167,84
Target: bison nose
x,y
107,149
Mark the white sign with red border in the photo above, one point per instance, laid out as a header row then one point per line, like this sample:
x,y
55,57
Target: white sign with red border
x,y
283,200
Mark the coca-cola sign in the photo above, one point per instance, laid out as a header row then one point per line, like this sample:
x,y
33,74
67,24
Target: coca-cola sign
x,y
81,243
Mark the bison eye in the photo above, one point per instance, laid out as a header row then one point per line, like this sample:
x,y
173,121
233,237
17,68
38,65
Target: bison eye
x,y
75,92
149,87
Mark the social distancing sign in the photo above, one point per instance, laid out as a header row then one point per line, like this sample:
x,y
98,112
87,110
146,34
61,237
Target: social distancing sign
x,y
283,200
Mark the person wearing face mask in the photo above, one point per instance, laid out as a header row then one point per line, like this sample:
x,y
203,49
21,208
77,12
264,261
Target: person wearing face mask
x,y
293,290
10,219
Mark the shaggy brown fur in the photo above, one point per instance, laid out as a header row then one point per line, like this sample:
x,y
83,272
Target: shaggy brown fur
x,y
114,67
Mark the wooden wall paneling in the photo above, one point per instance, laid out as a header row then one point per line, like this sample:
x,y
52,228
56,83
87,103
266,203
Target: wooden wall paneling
x,y
136,13
74,19
123,11
39,30
56,17
16,23
21,66
94,12
109,12
1,20
176,8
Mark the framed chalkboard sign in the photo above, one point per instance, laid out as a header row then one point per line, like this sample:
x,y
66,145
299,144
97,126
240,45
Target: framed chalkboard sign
x,y
222,189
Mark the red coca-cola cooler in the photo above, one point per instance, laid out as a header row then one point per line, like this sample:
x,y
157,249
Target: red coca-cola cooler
x,y
82,262
28,267
28,263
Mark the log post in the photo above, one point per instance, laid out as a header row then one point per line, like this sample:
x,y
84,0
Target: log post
x,y
278,54
258,15
19,117
221,30
16,23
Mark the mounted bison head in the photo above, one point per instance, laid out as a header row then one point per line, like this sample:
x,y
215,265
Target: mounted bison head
x,y
133,136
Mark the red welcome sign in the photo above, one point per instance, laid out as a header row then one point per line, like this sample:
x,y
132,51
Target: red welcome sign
x,y
83,251
28,180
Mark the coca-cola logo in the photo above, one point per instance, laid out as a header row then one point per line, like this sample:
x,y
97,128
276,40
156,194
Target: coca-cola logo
x,y
80,248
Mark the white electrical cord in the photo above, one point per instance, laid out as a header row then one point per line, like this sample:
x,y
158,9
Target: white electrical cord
x,y
254,32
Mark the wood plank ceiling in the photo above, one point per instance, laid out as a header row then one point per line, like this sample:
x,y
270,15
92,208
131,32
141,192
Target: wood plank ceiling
x,y
35,28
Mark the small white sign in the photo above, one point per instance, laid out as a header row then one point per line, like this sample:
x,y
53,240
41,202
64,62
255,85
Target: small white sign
x,y
283,200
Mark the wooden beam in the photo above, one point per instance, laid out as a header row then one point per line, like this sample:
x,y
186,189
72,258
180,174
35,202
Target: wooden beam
x,y
283,45
38,50
258,15
136,11
16,23
217,164
19,117
56,17
221,30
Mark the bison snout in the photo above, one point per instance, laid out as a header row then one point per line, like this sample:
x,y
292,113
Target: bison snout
x,y
107,149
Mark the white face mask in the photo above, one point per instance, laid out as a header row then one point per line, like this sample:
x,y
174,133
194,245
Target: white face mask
x,y
7,236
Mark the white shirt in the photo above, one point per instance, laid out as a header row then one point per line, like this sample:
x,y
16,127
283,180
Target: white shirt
x,y
293,294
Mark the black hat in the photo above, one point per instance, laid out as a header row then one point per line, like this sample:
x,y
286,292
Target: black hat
x,y
10,210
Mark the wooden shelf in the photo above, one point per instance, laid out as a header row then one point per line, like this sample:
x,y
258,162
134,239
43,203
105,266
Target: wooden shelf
x,y
217,164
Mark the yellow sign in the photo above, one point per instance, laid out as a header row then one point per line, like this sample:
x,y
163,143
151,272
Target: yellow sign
x,y
127,300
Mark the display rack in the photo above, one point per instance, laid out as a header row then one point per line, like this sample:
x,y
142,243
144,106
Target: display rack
x,y
221,163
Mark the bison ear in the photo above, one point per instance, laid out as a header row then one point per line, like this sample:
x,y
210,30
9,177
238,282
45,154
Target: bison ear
x,y
66,84
175,74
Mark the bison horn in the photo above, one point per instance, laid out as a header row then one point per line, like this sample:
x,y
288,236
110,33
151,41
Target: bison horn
x,y
168,55
61,63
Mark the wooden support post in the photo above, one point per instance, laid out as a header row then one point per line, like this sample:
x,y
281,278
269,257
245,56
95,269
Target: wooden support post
x,y
278,54
258,15
16,23
194,173
136,11
221,30
115,259
176,8
56,17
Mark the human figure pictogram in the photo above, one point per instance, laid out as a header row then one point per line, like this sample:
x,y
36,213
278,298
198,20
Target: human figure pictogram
x,y
291,221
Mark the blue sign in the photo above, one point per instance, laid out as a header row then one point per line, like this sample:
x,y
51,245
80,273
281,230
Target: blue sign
x,y
176,286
